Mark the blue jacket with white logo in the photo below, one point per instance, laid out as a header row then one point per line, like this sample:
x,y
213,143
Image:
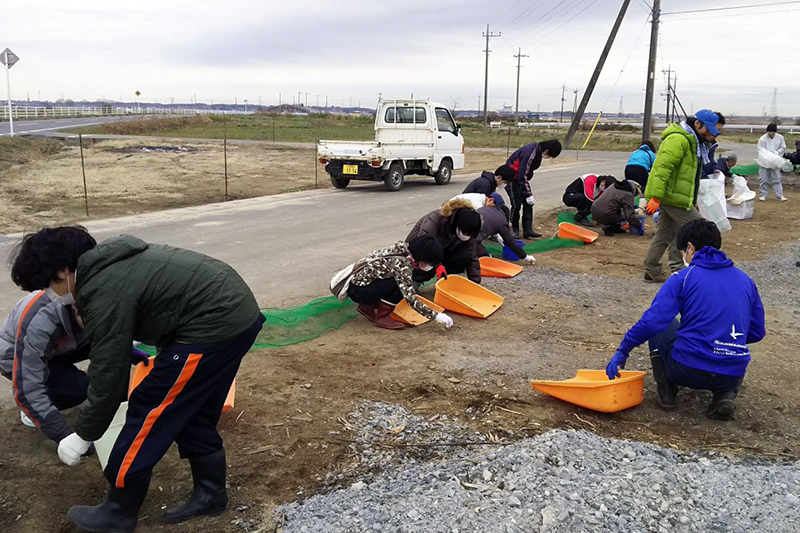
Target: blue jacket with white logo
x,y
721,313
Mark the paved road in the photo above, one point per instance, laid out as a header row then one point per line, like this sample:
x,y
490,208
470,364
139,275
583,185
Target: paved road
x,y
30,127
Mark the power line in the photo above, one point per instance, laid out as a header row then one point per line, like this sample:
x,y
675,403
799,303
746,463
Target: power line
x,y
565,22
520,16
720,16
548,16
748,6
646,21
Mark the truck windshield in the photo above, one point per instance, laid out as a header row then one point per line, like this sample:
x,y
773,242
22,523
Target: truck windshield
x,y
445,121
405,115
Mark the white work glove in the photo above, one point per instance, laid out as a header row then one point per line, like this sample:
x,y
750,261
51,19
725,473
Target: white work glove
x,y
530,200
530,259
442,318
71,448
498,238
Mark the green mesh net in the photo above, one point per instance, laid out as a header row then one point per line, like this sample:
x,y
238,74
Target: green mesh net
x,y
745,170
542,245
303,323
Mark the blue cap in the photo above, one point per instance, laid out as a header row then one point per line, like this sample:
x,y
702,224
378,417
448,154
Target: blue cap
x,y
710,119
498,200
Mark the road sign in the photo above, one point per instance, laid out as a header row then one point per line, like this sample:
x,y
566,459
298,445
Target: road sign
x,y
8,58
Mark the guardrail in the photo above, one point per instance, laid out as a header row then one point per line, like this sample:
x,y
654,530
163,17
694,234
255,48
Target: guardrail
x,y
33,112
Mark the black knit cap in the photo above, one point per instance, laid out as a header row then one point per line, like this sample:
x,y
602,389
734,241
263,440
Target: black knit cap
x,y
426,250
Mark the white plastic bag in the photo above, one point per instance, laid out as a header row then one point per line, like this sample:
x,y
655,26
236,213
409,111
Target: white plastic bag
x,y
741,192
773,161
712,203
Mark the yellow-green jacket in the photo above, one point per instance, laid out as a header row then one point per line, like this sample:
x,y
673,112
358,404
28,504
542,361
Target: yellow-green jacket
x,y
675,175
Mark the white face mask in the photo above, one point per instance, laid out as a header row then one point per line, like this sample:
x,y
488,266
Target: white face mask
x,y
67,299
461,235
425,267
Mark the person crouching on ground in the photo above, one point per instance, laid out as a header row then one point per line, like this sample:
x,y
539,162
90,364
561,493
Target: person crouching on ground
x,y
455,226
721,313
582,192
487,183
673,184
384,277
494,221
40,343
615,209
204,319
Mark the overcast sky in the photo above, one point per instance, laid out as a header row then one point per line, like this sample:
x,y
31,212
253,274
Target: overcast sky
x,y
730,61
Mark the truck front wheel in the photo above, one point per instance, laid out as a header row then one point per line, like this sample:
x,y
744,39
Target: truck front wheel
x,y
340,182
394,178
445,172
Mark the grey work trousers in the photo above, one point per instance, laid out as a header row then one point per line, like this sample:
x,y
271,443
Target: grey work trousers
x,y
767,178
670,221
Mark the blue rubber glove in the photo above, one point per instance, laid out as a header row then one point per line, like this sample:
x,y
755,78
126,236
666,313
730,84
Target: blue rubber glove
x,y
641,231
617,362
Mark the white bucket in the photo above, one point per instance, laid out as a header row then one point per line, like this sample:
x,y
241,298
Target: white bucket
x,y
104,444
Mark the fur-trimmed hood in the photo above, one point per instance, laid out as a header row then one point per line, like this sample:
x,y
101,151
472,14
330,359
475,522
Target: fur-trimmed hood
x,y
450,206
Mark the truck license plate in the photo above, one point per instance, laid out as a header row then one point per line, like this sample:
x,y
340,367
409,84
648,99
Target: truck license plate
x,y
350,169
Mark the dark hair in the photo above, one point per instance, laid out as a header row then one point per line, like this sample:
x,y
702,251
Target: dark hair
x,y
39,256
553,147
505,172
426,250
649,144
468,221
506,211
772,127
608,180
700,233
721,119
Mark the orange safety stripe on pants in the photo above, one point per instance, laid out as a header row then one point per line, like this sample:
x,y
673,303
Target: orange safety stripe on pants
x,y
186,373
16,360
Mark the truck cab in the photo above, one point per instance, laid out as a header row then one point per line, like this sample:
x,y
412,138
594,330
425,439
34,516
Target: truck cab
x,y
418,137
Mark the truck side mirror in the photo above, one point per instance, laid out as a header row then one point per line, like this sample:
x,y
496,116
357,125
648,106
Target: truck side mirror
x,y
458,130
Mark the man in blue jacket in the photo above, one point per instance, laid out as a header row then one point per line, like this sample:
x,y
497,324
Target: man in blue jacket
x,y
524,162
721,313
487,183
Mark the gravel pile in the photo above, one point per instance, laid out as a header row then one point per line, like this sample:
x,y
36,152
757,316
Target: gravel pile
x,y
776,277
560,481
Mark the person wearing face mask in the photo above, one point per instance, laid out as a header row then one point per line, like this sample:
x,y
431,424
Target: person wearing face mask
x,y
202,317
40,343
494,221
673,184
721,313
455,226
384,277
524,162
771,141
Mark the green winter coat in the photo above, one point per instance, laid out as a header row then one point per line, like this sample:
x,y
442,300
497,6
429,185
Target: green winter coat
x,y
128,289
675,173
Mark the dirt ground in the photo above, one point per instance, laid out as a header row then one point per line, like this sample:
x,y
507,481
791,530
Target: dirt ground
x,y
138,176
285,434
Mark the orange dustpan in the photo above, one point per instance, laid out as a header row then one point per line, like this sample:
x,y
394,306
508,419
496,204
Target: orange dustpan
x,y
405,313
593,390
464,297
497,268
140,372
574,232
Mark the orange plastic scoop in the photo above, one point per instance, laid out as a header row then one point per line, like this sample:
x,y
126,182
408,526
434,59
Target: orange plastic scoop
x,y
593,390
141,371
574,232
497,268
460,295
405,313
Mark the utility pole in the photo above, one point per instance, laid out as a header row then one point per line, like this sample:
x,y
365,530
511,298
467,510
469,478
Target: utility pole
x,y
479,103
519,57
773,109
647,124
669,92
587,94
488,35
575,104
620,104
563,90
674,107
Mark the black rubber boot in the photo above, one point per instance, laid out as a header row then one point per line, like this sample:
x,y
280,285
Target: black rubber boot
x,y
118,514
722,406
666,391
209,496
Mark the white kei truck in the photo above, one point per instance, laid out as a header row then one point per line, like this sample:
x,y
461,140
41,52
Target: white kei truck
x,y
411,137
